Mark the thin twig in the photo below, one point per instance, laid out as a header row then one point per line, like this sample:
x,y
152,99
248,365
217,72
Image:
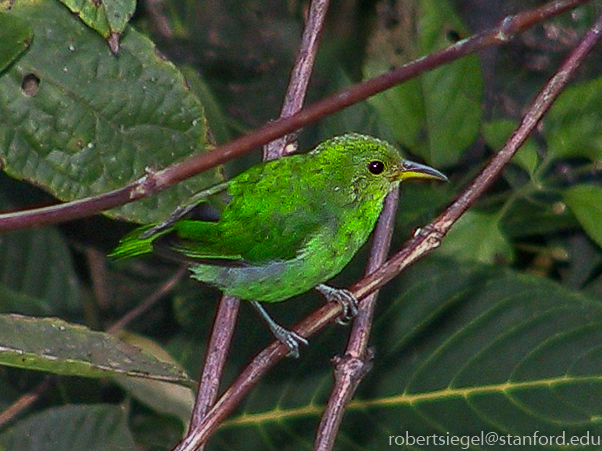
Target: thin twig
x,y
301,74
154,182
215,358
26,400
227,313
421,244
351,368
148,302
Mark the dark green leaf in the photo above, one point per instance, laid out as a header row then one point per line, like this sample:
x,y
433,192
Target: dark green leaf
x,y
163,397
586,203
93,121
53,345
572,126
37,276
497,133
15,36
72,428
477,237
460,349
105,17
527,218
438,114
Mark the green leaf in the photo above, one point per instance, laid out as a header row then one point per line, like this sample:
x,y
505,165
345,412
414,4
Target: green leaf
x,y
93,121
72,428
15,36
53,345
37,274
527,217
478,237
438,114
496,134
459,349
163,397
586,203
106,17
572,126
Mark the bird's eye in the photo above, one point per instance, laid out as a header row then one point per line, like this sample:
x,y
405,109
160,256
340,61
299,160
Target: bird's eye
x,y
376,167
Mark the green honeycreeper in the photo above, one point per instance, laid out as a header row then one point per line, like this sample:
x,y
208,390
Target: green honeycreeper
x,y
288,226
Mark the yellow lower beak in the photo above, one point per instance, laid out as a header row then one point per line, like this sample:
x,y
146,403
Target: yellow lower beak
x,y
412,170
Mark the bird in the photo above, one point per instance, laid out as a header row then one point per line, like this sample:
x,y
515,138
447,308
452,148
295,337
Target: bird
x,y
286,226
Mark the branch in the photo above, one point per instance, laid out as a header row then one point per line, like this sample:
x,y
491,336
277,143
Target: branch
x,y
354,365
421,244
227,313
154,182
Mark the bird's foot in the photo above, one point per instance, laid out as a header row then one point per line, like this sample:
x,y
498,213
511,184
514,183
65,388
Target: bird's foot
x,y
344,297
287,337
290,339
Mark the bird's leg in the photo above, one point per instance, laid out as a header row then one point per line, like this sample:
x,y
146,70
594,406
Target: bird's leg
x,y
289,338
344,297
183,209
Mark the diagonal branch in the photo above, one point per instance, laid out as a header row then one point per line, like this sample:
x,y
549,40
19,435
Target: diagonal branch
x,y
154,182
421,244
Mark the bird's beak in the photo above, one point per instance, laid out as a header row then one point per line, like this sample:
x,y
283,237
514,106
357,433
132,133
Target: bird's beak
x,y
411,170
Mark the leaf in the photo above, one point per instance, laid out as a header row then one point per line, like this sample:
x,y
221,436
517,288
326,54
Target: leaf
x,y
478,237
106,17
15,36
96,121
496,134
72,428
586,203
37,276
438,114
572,126
460,349
526,218
361,117
163,397
53,345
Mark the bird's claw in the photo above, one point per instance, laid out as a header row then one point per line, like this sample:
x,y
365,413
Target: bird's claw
x,y
344,298
291,340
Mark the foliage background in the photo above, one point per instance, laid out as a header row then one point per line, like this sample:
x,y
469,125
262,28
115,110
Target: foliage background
x,y
499,330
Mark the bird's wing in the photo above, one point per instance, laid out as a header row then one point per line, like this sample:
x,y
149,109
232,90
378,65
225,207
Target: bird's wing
x,y
142,240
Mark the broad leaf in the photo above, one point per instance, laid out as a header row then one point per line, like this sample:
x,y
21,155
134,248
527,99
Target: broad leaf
x,y
459,349
15,36
438,114
106,17
497,133
53,345
72,428
572,126
90,121
478,237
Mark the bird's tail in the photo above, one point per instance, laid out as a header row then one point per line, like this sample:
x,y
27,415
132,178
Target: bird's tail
x,y
133,244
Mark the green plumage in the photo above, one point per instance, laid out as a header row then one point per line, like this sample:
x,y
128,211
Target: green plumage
x,y
289,224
